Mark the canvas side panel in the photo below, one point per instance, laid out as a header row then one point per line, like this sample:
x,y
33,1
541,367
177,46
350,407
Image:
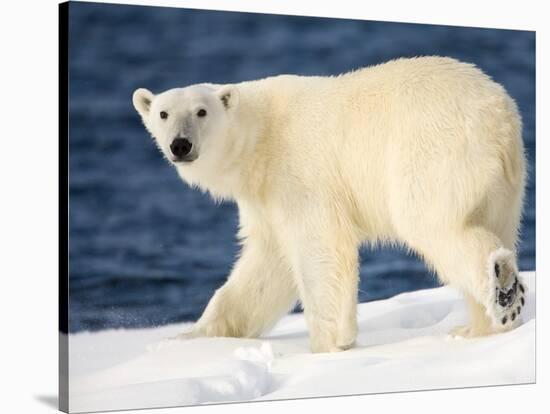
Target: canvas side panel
x,y
63,207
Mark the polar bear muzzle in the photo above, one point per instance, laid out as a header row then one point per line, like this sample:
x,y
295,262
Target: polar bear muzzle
x,y
181,150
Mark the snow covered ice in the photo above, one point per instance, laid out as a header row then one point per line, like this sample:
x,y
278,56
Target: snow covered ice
x,y
403,344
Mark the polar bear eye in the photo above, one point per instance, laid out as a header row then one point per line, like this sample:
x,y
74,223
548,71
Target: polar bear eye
x,y
163,115
201,113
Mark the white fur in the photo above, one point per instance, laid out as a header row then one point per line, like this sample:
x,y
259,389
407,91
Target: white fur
x,y
424,152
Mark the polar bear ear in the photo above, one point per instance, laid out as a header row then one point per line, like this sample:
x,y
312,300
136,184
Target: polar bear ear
x,y
142,99
229,96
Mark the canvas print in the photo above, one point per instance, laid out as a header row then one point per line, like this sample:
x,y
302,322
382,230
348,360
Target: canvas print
x,y
264,207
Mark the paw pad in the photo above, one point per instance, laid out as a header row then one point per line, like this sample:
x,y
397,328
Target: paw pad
x,y
507,297
506,293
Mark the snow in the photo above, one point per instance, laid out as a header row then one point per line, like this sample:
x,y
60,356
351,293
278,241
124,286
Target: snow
x,y
402,345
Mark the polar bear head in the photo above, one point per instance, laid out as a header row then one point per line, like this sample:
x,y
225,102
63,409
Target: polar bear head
x,y
190,125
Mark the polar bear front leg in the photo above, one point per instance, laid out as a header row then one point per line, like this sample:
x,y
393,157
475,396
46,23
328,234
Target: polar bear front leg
x,y
326,271
328,291
259,290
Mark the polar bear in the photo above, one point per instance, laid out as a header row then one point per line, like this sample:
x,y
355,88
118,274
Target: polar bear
x,y
425,152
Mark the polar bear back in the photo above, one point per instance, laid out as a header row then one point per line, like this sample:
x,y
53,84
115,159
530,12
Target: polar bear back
x,y
424,135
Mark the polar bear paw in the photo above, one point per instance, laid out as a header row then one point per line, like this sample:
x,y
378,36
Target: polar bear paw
x,y
463,331
506,291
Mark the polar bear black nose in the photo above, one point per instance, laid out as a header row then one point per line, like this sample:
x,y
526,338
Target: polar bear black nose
x,y
180,147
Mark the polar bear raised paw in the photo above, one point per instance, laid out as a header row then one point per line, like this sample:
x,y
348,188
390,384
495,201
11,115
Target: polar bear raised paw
x,y
506,291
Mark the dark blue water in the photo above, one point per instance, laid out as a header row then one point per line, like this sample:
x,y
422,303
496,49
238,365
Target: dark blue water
x,y
147,250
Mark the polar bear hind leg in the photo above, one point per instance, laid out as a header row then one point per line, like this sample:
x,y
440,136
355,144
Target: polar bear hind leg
x,y
498,307
475,261
468,229
501,308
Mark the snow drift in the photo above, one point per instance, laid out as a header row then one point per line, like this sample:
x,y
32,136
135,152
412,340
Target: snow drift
x,y
402,345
